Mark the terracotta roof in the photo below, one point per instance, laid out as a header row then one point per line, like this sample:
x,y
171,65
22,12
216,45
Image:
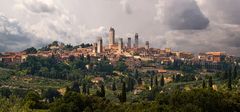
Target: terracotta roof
x,y
162,71
215,53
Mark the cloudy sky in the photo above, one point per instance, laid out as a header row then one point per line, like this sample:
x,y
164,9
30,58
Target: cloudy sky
x,y
189,25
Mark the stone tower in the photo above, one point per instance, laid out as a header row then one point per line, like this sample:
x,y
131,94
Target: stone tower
x,y
136,41
100,45
120,45
111,37
129,44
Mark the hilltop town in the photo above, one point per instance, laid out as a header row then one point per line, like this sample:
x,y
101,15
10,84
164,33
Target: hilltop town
x,y
115,49
117,76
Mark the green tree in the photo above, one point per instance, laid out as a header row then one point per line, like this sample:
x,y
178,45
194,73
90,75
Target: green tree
x,y
203,84
5,92
229,72
68,47
225,75
104,66
75,87
71,102
151,82
136,74
54,43
31,50
210,82
123,96
130,84
51,94
84,88
101,93
67,89
32,100
235,72
174,78
177,79
114,88
103,90
162,81
156,81
44,72
71,58
88,90
88,58
139,81
121,66
230,82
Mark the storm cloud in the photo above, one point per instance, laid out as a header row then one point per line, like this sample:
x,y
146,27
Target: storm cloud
x,y
217,37
222,11
181,14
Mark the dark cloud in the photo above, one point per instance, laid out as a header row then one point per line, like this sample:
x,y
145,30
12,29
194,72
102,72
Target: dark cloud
x,y
216,37
13,37
222,11
181,14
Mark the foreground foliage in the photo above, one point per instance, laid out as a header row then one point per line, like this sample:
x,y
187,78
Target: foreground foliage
x,y
198,100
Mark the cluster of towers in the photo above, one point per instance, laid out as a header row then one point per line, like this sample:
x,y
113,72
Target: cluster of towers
x,y
98,47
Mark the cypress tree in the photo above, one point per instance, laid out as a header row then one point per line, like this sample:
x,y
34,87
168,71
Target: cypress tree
x,y
225,75
151,82
162,81
123,96
129,84
173,78
133,84
75,87
177,79
230,72
235,72
114,88
82,57
84,88
88,58
139,81
210,82
88,90
156,81
102,91
230,82
136,74
203,84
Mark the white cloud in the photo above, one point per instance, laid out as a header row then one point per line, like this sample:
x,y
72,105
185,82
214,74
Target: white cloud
x,y
50,26
60,26
13,36
38,6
